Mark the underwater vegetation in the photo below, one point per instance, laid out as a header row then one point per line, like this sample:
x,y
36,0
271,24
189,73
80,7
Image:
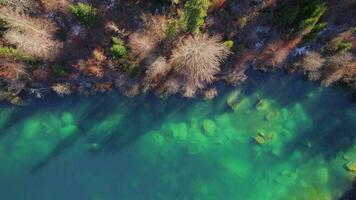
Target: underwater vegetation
x,y
278,137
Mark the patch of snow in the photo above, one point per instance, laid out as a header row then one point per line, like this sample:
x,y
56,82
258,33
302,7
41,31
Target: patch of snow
x,y
301,51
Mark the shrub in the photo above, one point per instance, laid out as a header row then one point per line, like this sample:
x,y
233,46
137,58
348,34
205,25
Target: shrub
x,y
229,44
118,50
194,15
173,29
311,13
197,58
12,53
131,68
314,32
59,70
338,45
85,13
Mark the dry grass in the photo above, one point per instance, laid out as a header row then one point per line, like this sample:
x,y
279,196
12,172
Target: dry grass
x,y
31,35
197,59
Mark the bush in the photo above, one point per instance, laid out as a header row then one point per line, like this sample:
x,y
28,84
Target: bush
x,y
197,59
229,44
118,50
85,13
131,68
12,53
338,45
194,15
173,29
311,14
314,32
59,70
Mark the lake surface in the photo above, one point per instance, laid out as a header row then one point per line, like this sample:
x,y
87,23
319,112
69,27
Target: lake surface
x,y
276,137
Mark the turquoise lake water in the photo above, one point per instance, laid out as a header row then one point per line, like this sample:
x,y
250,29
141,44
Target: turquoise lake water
x,y
277,137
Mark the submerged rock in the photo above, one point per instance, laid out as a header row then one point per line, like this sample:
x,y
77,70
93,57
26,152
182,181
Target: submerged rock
x,y
261,104
323,175
209,126
233,100
351,166
271,115
260,138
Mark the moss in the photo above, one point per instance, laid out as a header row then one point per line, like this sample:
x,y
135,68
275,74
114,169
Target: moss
x,y
84,13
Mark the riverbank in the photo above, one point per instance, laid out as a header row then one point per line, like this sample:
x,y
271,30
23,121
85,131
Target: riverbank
x,y
134,48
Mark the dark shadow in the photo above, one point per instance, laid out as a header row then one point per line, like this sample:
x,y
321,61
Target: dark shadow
x,y
351,193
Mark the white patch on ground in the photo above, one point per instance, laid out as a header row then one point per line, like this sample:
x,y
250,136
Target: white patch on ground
x,y
301,51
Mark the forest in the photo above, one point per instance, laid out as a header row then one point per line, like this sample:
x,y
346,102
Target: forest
x,y
169,47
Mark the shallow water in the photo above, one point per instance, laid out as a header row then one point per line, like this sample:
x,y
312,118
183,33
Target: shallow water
x,y
277,137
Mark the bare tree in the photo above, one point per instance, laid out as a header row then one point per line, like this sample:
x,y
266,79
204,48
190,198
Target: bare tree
x,y
336,67
142,43
156,72
197,59
312,62
31,35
